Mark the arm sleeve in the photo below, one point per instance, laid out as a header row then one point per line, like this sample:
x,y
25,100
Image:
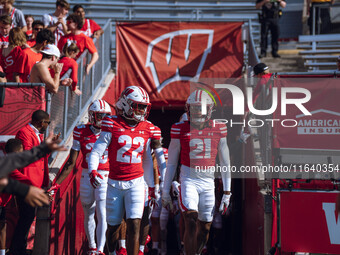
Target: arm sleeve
x,y
19,176
98,150
148,165
174,152
159,154
18,160
76,145
90,45
26,141
94,26
74,75
15,187
223,154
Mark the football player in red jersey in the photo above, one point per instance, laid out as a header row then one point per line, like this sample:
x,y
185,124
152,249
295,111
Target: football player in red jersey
x,y
197,142
92,199
129,139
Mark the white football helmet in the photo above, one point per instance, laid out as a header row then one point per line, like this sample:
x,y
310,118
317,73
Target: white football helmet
x,y
98,109
194,106
134,104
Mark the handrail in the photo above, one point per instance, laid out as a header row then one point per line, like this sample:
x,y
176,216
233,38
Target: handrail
x,y
66,110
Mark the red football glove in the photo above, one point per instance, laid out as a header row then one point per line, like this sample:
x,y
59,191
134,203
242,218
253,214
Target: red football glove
x,y
53,191
95,179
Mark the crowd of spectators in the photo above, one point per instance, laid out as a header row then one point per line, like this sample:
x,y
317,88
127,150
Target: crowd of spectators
x,y
23,40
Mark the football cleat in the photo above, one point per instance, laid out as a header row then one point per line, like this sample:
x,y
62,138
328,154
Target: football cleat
x,y
92,251
121,251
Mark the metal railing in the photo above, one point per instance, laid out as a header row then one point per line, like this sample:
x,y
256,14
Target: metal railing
x,y
66,108
316,15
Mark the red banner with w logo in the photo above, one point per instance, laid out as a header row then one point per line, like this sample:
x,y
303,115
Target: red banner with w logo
x,y
164,57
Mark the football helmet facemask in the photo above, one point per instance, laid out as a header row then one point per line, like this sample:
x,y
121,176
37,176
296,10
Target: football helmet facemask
x,y
134,104
194,107
97,111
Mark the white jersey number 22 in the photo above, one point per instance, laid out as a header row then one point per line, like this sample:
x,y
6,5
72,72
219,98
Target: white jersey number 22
x,y
123,154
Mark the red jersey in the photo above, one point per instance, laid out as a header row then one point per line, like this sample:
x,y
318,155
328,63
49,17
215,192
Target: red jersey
x,y
4,41
198,147
31,42
29,33
86,138
27,59
9,62
83,42
89,27
127,146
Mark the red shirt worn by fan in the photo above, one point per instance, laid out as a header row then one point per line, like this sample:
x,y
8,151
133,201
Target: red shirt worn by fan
x,y
9,62
127,146
27,59
89,27
83,42
37,172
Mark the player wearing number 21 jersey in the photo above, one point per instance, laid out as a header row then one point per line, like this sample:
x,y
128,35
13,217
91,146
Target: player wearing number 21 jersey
x,y
197,142
129,139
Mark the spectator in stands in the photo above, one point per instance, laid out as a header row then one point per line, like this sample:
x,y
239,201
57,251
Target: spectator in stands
x,y
338,63
37,175
40,72
5,27
37,26
56,21
29,22
90,27
322,12
30,56
18,18
269,20
70,52
10,55
74,24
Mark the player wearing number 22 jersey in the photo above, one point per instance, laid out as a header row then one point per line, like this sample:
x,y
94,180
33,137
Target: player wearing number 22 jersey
x,y
129,139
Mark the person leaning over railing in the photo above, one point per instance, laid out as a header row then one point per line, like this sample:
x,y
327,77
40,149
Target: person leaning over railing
x,y
30,56
74,24
40,72
70,52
